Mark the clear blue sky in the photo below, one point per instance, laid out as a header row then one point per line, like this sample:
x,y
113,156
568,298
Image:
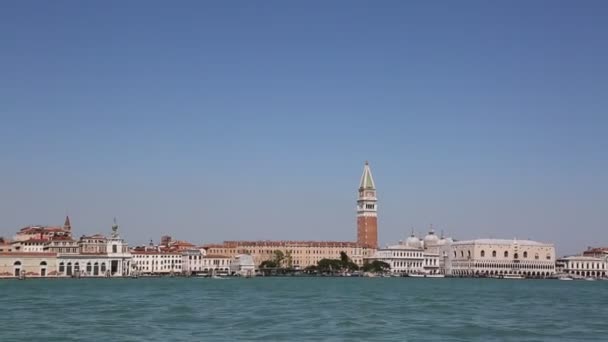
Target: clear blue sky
x,y
252,120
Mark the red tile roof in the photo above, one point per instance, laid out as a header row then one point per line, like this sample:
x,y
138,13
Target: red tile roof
x,y
96,236
26,254
267,243
155,252
215,256
31,241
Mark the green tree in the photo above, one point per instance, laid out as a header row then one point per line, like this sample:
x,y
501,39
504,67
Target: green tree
x,y
268,264
344,258
376,266
351,266
279,256
289,259
329,265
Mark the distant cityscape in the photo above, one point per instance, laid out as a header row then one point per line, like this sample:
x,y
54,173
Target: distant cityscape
x,y
54,252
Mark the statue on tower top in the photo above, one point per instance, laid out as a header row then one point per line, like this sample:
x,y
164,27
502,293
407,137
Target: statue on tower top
x,y
115,229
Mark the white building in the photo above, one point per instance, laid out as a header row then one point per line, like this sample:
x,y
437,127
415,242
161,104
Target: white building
x,y
243,265
414,255
216,264
584,266
30,246
497,257
98,256
192,261
157,262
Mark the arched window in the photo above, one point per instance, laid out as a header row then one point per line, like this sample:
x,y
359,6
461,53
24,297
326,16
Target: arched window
x,y
103,267
17,263
506,254
525,255
61,267
515,256
548,256
462,254
493,254
536,256
89,268
469,254
483,253
43,263
96,269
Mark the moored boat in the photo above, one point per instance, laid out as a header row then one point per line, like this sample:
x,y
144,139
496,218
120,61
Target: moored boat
x,y
512,276
415,275
435,276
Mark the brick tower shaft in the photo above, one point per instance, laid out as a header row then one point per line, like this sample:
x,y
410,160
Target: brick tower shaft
x,y
367,210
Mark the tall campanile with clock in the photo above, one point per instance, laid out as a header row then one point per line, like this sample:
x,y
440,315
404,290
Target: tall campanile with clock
x,y
367,210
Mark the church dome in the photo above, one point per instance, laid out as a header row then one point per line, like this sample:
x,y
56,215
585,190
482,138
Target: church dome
x,y
431,239
412,241
445,241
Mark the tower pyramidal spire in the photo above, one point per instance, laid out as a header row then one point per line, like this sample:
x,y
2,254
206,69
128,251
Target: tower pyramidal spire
x,y
367,210
367,181
67,225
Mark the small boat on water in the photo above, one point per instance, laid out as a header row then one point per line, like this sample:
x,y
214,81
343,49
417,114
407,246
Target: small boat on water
x,y
512,276
422,275
590,279
565,278
435,276
415,275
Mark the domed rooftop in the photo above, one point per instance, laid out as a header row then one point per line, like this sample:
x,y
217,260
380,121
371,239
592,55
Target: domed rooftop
x,y
412,241
445,241
431,239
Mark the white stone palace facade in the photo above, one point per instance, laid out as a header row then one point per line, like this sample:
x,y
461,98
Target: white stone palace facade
x,y
414,256
584,266
498,257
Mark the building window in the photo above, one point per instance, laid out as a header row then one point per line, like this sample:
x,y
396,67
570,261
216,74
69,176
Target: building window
x,y
525,255
114,249
536,256
494,254
506,254
515,256
483,254
61,267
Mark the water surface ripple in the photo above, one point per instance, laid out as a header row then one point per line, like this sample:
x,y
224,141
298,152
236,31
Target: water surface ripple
x,y
303,309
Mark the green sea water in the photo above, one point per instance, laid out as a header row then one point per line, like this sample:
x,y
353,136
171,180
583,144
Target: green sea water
x,y
303,309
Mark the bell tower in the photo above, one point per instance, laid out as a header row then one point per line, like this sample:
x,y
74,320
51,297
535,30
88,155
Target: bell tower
x,y
367,210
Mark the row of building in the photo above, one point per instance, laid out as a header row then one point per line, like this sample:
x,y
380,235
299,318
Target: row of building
x,y
38,251
42,251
